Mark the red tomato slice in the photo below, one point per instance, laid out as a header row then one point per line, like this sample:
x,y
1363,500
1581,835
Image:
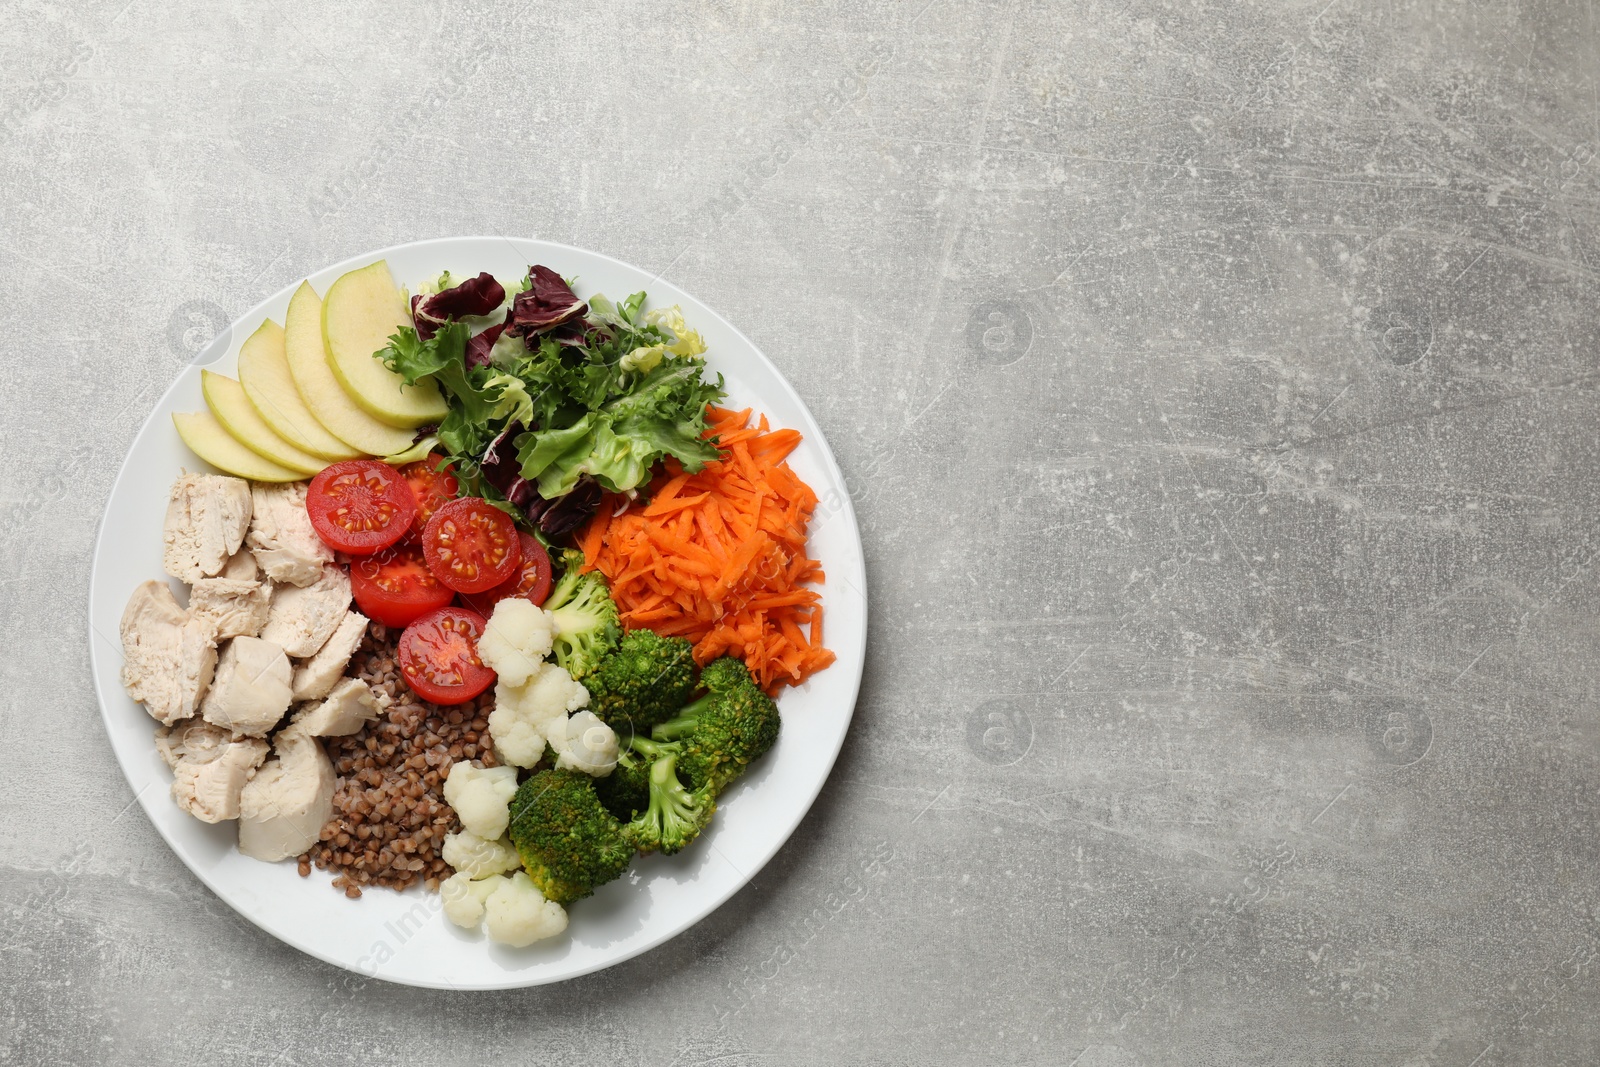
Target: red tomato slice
x,y
471,545
439,656
531,582
360,506
395,586
431,486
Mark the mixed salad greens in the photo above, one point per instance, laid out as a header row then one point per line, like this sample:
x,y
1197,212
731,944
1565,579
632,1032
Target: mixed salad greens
x,y
562,399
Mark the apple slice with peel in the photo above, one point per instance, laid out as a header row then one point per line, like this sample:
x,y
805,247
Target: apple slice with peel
x,y
362,309
207,439
226,399
303,350
264,374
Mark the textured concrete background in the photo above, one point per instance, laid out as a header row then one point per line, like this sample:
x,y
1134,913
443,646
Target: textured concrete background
x,y
1217,385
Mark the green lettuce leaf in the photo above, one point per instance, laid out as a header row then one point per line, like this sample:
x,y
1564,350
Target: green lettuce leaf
x,y
537,451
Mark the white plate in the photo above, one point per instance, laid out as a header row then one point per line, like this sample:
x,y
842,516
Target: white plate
x,y
405,937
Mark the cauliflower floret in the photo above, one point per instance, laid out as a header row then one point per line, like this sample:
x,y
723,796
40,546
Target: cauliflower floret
x,y
516,640
481,797
554,689
463,898
584,743
477,857
523,714
518,740
517,914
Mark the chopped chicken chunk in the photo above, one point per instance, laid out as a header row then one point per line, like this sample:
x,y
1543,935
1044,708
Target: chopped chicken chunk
x,y
208,784
285,545
232,607
207,516
285,806
350,706
315,678
302,619
241,566
192,738
167,656
251,691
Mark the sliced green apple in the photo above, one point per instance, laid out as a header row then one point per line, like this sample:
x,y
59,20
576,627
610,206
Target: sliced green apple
x,y
308,365
264,374
226,399
362,309
207,439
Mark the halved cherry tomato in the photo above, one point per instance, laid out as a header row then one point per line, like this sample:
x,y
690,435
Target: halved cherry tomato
x,y
471,545
531,582
360,506
431,486
439,656
395,586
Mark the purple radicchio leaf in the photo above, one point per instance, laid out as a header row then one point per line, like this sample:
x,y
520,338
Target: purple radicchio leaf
x,y
575,333
475,296
556,518
561,516
546,303
521,493
425,329
480,345
501,468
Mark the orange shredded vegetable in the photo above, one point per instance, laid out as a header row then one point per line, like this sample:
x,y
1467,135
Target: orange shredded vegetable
x,y
719,557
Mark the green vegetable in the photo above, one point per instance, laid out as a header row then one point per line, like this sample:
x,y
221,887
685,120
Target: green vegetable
x,y
609,406
441,357
673,816
599,412
723,731
664,789
569,844
646,681
586,624
625,792
626,423
479,397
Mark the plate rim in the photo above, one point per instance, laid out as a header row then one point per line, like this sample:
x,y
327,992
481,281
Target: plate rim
x,y
512,981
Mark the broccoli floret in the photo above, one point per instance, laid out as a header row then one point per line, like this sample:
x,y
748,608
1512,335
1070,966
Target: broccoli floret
x,y
674,815
569,844
586,624
726,673
644,682
706,745
734,723
625,792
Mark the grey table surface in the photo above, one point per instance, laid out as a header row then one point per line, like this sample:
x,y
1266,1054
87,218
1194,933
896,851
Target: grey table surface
x,y
1216,383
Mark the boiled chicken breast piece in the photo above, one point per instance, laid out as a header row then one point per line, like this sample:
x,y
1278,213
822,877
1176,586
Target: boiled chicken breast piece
x,y
192,738
284,807
251,691
208,786
302,619
241,566
167,657
350,706
315,678
207,516
285,545
232,607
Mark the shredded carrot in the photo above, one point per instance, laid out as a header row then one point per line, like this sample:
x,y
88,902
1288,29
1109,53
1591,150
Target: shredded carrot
x,y
719,556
